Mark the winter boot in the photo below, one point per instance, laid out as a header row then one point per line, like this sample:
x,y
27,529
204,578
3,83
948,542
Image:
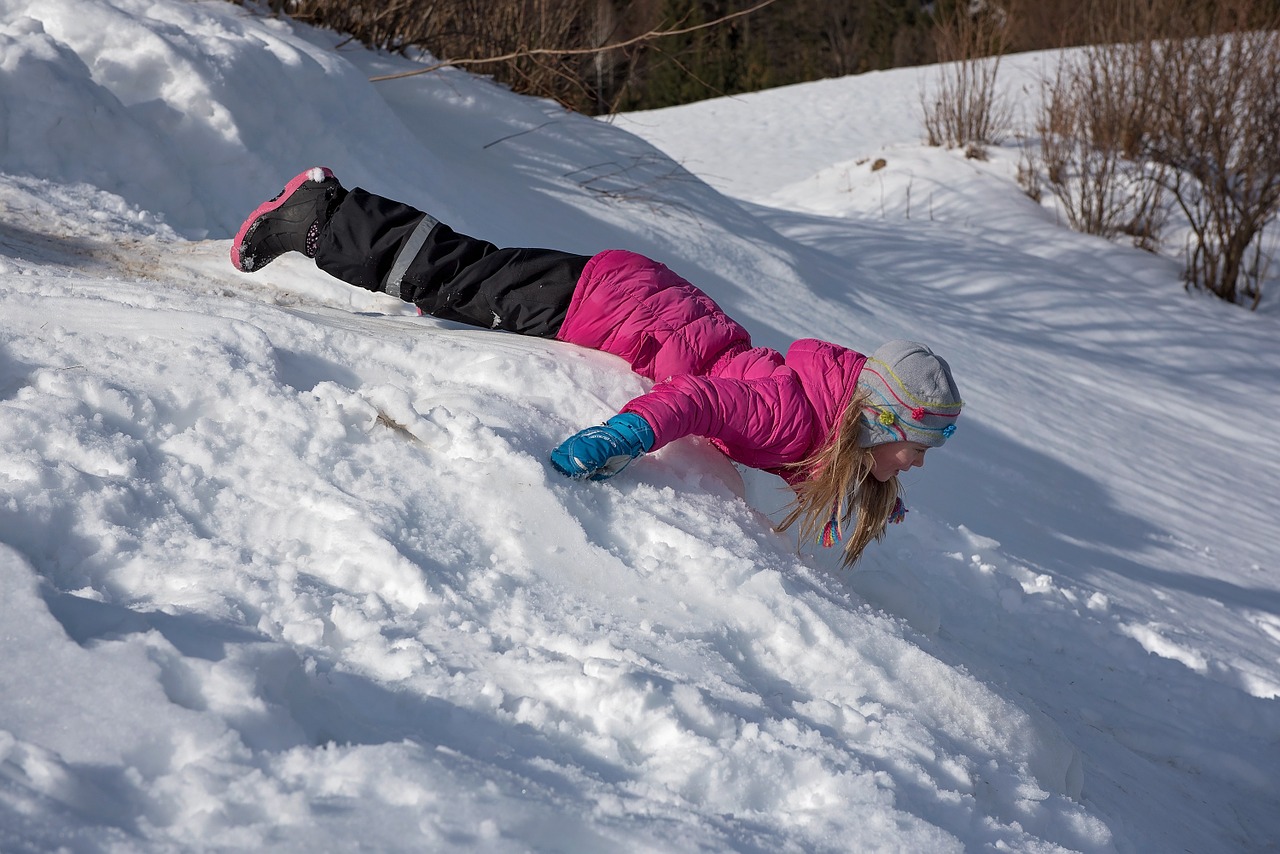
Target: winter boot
x,y
291,222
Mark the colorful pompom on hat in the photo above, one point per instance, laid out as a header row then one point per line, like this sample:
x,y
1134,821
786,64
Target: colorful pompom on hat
x,y
911,396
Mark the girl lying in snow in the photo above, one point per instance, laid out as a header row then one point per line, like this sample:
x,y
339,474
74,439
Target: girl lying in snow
x,y
838,426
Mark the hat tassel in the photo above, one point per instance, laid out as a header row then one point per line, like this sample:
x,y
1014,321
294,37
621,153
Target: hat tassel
x,y
831,531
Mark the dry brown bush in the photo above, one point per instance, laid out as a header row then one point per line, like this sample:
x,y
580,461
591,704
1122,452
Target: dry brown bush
x,y
510,29
1217,128
1179,100
964,108
1091,125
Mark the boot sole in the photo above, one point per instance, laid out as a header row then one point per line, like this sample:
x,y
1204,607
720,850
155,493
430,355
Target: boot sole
x,y
315,173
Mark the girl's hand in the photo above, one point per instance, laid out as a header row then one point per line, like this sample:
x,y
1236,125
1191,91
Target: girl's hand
x,y
598,453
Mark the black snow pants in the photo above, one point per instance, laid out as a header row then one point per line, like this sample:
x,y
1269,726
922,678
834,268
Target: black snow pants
x,y
383,245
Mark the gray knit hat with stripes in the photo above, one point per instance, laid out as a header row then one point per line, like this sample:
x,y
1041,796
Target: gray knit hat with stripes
x,y
911,396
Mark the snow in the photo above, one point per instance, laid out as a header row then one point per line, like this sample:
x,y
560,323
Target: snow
x,y
284,566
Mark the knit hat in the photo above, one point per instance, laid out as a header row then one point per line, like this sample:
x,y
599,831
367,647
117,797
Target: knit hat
x,y
910,396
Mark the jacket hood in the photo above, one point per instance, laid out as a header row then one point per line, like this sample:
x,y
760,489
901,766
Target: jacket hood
x,y
829,374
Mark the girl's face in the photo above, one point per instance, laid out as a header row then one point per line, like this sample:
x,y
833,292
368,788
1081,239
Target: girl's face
x,y
894,458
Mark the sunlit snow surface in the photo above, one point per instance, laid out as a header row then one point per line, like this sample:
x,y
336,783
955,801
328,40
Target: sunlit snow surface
x,y
284,566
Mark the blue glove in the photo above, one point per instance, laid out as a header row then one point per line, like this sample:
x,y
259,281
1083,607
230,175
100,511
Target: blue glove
x,y
601,452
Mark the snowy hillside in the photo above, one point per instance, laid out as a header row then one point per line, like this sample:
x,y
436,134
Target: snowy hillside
x,y
284,566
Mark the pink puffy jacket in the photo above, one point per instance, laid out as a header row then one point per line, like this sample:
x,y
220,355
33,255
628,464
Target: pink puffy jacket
x,y
763,410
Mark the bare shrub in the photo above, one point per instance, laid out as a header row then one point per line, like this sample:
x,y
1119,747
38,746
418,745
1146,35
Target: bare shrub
x,y
1218,130
964,107
1029,174
1177,100
479,28
1092,122
589,55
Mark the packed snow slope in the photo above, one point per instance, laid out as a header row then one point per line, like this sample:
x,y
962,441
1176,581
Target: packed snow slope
x,y
284,566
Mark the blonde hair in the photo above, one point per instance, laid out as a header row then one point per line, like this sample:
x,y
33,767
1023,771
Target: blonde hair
x,y
841,485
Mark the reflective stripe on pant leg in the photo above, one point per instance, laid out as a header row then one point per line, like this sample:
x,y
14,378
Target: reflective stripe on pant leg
x,y
408,251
